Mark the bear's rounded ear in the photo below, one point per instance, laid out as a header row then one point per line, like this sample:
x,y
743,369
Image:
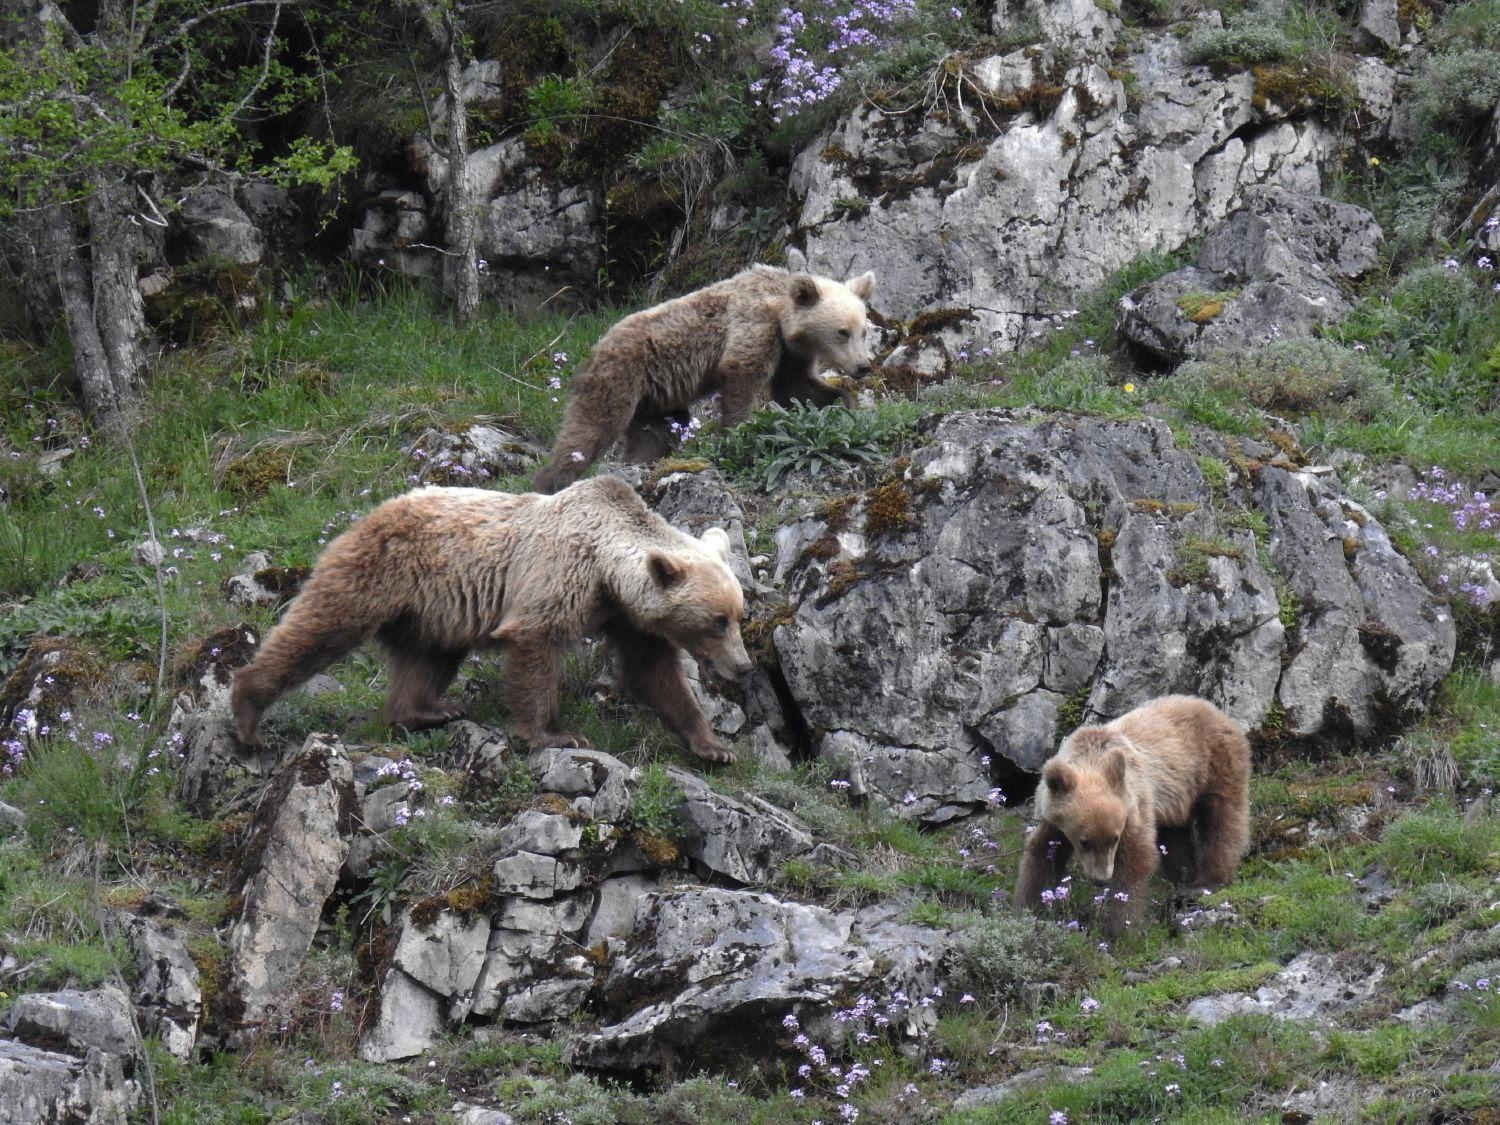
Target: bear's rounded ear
x,y
1059,777
863,285
665,571
716,540
805,290
1114,768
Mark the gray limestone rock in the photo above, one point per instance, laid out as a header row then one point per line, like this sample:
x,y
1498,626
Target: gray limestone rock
x,y
1378,27
747,840
290,870
1048,565
543,833
80,1021
446,955
596,784
410,1020
1276,269
618,906
1371,642
42,1087
1061,180
167,993
536,876
217,230
1313,987
473,456
730,963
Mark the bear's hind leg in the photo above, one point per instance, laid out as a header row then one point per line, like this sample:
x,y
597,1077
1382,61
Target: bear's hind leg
x,y
1221,831
598,412
650,439
1042,864
652,672
418,680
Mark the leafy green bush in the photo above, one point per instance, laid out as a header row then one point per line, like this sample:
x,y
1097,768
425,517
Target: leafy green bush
x,y
777,440
1434,328
997,955
653,807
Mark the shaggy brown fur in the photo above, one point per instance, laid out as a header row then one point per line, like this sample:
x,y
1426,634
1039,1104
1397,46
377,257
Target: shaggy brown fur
x,y
438,572
763,329
1175,763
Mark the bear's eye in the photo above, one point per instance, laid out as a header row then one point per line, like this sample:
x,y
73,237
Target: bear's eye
x,y
1085,845
843,333
722,622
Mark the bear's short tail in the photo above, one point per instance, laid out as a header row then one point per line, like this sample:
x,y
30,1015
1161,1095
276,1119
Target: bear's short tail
x,y
310,638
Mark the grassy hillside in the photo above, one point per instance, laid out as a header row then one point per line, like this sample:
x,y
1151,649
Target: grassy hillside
x,y
272,438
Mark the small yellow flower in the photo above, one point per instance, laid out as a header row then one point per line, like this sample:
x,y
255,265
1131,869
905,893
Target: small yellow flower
x,y
1374,162
1130,388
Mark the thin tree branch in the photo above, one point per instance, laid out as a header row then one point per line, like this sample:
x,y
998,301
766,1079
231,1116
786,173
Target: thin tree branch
x,y
265,64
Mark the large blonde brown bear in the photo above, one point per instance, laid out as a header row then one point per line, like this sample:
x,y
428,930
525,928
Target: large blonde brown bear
x,y
1175,767
762,331
438,572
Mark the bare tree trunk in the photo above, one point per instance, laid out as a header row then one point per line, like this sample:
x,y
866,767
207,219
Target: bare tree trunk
x,y
119,312
90,361
460,260
461,273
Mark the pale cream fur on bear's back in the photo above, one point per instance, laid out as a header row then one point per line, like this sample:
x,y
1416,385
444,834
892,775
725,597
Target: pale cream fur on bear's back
x,y
1177,743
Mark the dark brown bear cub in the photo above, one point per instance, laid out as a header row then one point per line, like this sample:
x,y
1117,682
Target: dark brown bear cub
x,y
439,572
1175,763
762,331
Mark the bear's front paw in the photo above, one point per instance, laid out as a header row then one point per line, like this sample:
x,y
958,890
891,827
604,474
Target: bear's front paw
x,y
713,752
555,740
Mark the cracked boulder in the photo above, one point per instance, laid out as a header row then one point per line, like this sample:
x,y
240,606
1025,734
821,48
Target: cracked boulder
x,y
72,1057
746,840
1025,574
1278,268
43,1087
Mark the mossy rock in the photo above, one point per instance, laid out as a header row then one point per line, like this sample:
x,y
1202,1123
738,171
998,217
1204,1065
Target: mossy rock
x,y
53,675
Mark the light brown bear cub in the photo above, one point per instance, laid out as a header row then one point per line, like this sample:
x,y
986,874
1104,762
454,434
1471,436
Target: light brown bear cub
x,y
438,572
1175,763
762,329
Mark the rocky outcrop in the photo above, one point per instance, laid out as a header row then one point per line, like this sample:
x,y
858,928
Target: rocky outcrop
x,y
710,964
72,1059
1023,574
1045,170
288,872
168,995
535,235
567,890
42,1086
1279,268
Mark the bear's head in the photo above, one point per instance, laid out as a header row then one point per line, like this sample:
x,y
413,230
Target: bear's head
x,y
695,601
827,322
1085,795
